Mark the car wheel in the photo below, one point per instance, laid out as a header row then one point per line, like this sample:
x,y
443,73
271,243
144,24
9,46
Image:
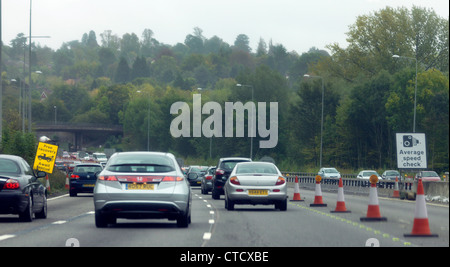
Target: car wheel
x,y
101,221
215,194
282,205
43,213
229,204
73,193
27,214
183,221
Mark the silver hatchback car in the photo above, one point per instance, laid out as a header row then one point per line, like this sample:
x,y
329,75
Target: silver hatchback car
x,y
142,185
256,183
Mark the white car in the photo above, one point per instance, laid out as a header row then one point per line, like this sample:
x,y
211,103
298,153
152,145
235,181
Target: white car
x,y
365,174
256,183
142,185
329,173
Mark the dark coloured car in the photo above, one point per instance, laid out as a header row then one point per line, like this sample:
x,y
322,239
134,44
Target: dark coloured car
x,y
223,170
20,190
207,180
83,178
200,172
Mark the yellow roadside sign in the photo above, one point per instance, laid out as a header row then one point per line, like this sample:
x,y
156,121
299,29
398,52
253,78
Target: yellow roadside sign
x,y
45,157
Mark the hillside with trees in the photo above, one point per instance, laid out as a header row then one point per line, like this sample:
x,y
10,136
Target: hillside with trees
x,y
368,94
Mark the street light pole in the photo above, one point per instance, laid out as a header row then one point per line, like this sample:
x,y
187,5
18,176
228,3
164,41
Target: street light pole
x,y
415,90
251,129
321,121
30,81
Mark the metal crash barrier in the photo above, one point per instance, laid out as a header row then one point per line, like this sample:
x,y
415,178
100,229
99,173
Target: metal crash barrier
x,y
407,186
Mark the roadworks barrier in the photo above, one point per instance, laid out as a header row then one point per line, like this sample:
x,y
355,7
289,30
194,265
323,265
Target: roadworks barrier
x,y
407,187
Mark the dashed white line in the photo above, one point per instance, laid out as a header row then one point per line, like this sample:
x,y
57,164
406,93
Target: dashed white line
x,y
4,237
206,236
59,222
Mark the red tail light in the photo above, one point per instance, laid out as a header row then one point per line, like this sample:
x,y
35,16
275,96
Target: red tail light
x,y
11,184
74,176
280,181
209,177
234,180
108,178
172,179
219,172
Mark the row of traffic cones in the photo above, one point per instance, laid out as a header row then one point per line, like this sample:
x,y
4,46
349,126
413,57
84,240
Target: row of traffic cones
x,y
421,226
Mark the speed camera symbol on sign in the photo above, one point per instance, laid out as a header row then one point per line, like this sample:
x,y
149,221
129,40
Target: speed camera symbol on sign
x,y
410,141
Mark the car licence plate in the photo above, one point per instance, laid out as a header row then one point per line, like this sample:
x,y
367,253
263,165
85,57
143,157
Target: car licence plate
x,y
258,192
88,185
140,187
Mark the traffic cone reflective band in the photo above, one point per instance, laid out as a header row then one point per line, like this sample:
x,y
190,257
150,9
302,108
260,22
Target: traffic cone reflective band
x,y
296,191
47,183
421,227
67,181
373,211
318,202
396,193
340,204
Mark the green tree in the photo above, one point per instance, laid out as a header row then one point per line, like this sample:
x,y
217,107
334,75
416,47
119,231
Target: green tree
x,y
123,71
374,38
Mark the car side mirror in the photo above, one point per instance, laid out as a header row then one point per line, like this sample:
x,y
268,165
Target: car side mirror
x,y
41,174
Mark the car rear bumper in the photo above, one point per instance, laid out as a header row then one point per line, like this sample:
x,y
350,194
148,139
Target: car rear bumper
x,y
245,198
195,182
142,209
13,202
82,186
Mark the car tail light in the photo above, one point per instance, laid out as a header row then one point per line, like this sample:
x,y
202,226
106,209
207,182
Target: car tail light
x,y
74,176
234,180
280,181
172,179
220,172
107,178
11,184
209,177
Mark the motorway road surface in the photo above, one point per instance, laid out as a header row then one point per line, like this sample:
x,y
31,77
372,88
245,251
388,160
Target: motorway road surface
x,y
71,222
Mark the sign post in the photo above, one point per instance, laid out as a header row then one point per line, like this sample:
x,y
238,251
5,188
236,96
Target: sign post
x,y
411,151
45,157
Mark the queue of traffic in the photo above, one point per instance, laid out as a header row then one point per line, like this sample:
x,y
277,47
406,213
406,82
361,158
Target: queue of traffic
x,y
138,185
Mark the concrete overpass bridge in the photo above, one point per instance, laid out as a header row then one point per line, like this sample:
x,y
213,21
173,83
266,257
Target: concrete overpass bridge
x,y
77,133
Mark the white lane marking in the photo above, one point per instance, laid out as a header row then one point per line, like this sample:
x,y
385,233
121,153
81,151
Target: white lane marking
x,y
206,236
4,237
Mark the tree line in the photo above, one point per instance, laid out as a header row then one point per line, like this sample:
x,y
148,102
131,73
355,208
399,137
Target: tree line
x,y
368,93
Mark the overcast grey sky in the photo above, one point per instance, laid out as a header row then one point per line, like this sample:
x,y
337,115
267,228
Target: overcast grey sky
x,y
297,24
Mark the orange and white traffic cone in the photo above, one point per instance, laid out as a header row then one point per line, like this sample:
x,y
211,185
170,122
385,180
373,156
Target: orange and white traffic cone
x,y
396,193
67,181
296,191
373,211
340,204
318,202
47,183
421,227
